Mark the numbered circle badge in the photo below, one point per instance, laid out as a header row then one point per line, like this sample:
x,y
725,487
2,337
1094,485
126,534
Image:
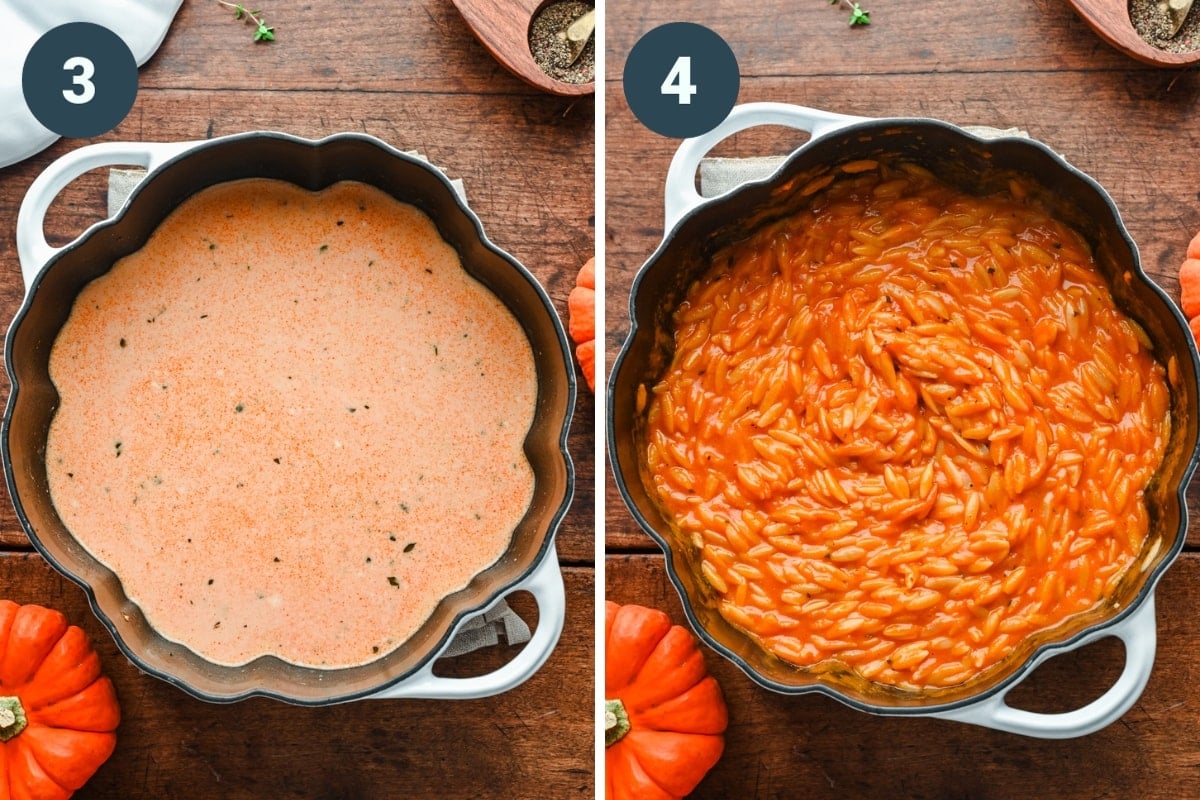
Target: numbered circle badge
x,y
80,80
681,79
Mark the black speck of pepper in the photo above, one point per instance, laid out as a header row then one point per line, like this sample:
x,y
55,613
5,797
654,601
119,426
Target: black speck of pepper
x,y
210,581
393,581
70,474
404,507
391,536
276,559
212,245
427,269
323,248
435,350
122,342
239,408
277,461
374,648
352,409
216,624
204,316
368,559
408,548
117,447
341,222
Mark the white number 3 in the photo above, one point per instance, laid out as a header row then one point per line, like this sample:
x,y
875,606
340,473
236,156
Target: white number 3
x,y
84,90
679,81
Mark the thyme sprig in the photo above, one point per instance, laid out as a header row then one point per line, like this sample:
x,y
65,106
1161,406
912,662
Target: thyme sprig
x,y
262,31
858,15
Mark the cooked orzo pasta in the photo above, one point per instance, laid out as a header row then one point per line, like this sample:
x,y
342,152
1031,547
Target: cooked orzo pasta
x,y
907,427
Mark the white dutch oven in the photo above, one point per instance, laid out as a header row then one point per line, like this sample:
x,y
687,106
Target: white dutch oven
x,y
55,275
696,226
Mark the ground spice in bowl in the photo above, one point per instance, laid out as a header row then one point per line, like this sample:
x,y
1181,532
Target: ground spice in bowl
x,y
549,47
1153,25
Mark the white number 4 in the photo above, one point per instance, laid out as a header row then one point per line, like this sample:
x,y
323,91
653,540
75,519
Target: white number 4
x,y
679,81
85,90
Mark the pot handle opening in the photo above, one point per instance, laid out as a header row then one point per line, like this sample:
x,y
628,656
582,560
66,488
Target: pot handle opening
x,y
1137,632
545,583
32,248
681,195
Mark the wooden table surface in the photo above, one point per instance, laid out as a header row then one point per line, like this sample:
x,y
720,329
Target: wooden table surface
x,y
1029,64
412,74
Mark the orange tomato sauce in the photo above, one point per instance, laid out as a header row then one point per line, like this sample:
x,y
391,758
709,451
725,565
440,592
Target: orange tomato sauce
x,y
907,427
291,423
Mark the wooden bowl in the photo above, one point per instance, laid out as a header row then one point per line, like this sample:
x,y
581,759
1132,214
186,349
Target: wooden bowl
x,y
502,26
1110,19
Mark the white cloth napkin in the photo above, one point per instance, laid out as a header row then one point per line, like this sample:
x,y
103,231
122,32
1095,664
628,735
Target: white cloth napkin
x,y
141,24
720,175
483,630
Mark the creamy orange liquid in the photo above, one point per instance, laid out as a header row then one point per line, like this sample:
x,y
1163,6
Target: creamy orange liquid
x,y
291,423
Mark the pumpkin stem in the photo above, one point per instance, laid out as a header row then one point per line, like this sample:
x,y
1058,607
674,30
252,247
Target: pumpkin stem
x,y
12,718
616,722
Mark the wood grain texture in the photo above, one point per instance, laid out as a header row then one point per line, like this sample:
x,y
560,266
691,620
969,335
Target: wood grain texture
x,y
532,742
807,40
415,46
781,747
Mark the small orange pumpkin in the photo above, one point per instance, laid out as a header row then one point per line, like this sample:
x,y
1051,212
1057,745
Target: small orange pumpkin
x,y
581,308
665,717
1189,281
58,713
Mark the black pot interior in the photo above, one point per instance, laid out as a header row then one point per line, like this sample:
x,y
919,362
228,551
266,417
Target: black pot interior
x,y
978,167
311,165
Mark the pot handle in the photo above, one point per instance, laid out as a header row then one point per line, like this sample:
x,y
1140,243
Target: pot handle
x,y
32,248
681,195
545,583
1137,632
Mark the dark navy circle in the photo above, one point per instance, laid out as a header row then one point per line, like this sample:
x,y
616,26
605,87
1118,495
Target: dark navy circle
x,y
80,80
681,79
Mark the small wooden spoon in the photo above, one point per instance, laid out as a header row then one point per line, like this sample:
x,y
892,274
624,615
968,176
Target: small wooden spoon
x,y
502,26
1110,20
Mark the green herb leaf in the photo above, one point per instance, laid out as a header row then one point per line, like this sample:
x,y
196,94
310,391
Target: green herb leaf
x,y
858,15
262,31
